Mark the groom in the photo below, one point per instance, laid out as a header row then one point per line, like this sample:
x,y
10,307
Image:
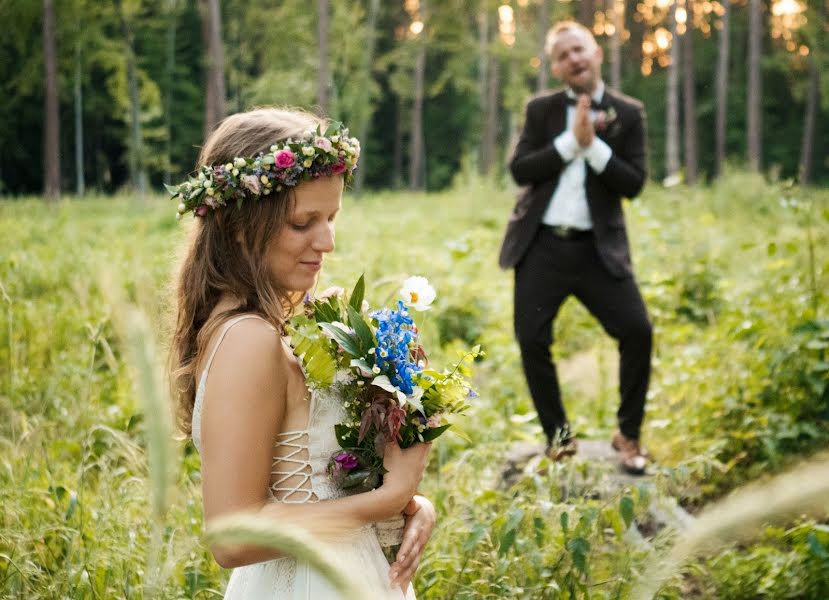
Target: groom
x,y
581,150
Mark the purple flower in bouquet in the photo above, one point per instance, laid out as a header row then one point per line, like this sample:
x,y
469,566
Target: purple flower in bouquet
x,y
346,460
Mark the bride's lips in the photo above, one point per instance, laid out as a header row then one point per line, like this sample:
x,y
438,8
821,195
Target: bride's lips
x,y
311,265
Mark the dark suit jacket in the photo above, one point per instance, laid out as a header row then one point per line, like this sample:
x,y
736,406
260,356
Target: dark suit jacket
x,y
537,164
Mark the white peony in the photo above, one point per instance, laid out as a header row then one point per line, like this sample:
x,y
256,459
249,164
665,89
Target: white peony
x,y
417,293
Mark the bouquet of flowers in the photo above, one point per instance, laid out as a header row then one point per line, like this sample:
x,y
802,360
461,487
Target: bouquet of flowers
x,y
374,361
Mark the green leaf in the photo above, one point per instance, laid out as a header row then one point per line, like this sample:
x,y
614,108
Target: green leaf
x,y
324,312
626,509
475,536
357,295
361,328
267,159
434,433
510,530
578,548
173,189
347,341
815,547
564,519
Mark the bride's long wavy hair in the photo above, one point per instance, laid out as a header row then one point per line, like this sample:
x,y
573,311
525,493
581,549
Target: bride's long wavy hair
x,y
225,251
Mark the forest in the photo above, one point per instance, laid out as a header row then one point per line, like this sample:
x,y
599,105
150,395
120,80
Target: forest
x,y
112,96
106,101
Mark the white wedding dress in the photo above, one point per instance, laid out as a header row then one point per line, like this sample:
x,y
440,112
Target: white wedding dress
x,y
299,474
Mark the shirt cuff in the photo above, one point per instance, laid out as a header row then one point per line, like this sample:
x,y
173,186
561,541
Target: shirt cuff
x,y
598,154
567,145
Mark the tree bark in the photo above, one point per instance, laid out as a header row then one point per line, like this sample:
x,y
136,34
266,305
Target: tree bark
x,y
672,108
755,91
723,56
543,27
169,77
690,108
323,76
80,183
51,121
364,118
416,143
483,74
488,155
615,43
214,107
812,101
586,11
136,151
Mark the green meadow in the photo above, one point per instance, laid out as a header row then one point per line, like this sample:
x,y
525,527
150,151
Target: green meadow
x,y
97,504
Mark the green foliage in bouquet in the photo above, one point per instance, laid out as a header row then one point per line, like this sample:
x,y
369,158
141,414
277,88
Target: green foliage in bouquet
x,y
375,364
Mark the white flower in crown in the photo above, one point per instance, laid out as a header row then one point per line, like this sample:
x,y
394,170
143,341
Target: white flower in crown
x,y
417,293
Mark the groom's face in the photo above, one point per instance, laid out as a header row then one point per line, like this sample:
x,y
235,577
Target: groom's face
x,y
577,60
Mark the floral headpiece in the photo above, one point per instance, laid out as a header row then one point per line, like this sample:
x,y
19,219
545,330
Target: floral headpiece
x,y
287,164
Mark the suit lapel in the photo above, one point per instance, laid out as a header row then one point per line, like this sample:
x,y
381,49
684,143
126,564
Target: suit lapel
x,y
557,114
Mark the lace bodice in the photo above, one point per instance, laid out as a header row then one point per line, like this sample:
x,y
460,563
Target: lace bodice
x,y
300,461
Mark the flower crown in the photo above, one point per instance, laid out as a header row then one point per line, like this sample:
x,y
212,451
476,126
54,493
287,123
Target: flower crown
x,y
287,164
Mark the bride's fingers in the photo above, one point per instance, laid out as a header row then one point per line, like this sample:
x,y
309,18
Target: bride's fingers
x,y
404,578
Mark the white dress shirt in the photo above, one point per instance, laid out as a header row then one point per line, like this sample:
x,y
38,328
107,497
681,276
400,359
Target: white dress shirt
x,y
568,205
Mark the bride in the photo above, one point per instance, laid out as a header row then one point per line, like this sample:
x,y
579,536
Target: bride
x,y
265,206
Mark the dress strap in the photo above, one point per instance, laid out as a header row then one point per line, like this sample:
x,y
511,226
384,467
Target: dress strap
x,y
226,328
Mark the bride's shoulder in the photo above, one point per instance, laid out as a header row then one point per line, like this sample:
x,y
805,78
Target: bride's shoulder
x,y
247,345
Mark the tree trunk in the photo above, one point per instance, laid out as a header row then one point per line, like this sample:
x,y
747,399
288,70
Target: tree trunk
x,y
483,73
364,118
615,44
812,101
51,121
488,155
397,157
323,77
722,87
214,106
80,184
416,143
690,108
543,27
169,77
586,11
755,91
672,109
136,150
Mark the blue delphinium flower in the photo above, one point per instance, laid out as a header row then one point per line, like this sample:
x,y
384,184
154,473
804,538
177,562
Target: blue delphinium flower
x,y
394,335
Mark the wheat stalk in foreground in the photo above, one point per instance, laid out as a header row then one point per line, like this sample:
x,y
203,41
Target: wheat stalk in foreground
x,y
288,539
802,491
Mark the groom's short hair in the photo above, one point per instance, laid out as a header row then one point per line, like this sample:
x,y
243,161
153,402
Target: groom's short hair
x,y
558,28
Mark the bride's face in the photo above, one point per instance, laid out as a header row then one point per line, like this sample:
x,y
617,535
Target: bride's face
x,y
296,253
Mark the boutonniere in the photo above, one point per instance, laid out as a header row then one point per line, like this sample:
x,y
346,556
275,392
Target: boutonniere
x,y
604,118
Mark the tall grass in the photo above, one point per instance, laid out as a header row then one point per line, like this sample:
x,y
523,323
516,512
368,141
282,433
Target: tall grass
x,y
89,483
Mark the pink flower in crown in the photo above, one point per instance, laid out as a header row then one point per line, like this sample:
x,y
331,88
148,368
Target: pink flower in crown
x,y
201,210
251,184
285,158
338,168
323,143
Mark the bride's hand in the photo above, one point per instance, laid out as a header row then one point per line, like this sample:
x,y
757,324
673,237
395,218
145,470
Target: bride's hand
x,y
420,521
404,472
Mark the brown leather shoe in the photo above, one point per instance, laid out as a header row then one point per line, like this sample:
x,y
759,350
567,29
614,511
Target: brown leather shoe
x,y
558,452
632,457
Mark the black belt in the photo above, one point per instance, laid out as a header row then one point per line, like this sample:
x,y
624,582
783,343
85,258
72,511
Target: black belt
x,y
563,232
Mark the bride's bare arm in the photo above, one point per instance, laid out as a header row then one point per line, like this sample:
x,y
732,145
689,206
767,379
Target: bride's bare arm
x,y
245,406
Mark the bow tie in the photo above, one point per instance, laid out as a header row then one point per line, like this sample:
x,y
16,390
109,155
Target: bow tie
x,y
593,104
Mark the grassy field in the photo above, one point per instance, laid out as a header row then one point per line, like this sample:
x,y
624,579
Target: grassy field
x,y
734,277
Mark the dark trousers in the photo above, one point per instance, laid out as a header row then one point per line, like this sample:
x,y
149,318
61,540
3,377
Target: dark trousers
x,y
552,270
